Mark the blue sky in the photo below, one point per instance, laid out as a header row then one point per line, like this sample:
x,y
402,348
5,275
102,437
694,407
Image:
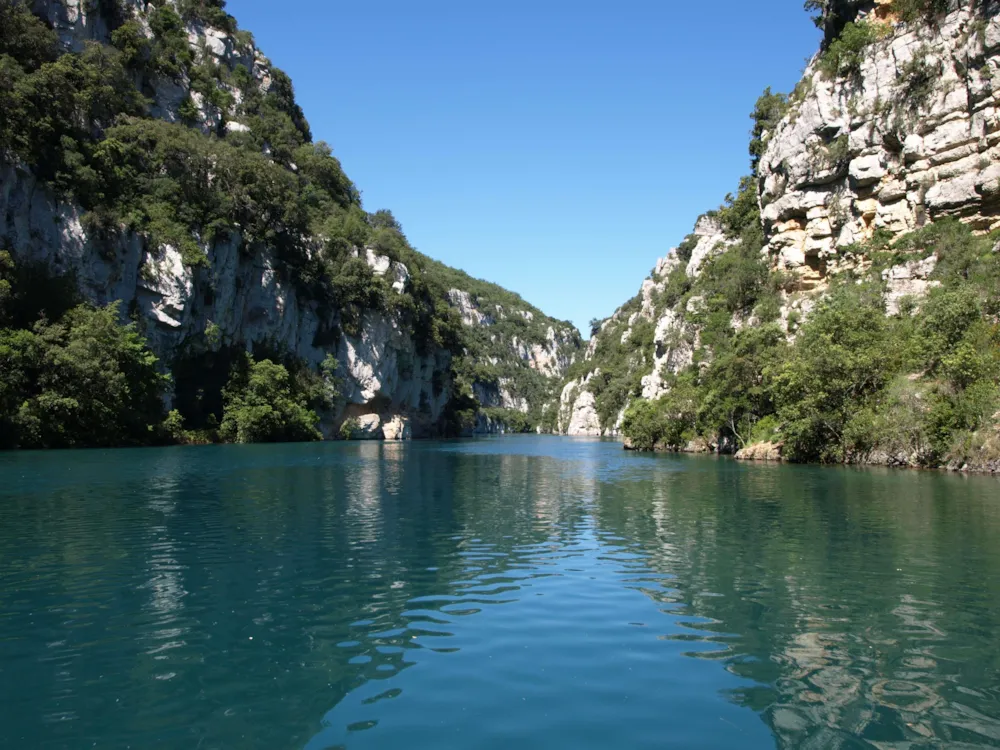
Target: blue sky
x,y
556,147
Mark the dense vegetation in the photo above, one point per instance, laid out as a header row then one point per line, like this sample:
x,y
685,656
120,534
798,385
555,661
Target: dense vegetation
x,y
857,384
235,163
69,367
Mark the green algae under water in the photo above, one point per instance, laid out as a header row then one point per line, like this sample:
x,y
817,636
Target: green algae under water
x,y
531,592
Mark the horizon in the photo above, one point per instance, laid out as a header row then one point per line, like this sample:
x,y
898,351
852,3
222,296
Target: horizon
x,y
508,148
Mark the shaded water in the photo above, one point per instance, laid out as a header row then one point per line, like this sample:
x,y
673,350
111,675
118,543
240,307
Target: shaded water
x,y
549,592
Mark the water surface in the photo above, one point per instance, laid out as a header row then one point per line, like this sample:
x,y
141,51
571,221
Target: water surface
x,y
535,592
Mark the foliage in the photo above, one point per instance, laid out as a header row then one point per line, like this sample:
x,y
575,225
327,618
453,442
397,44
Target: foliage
x,y
914,10
512,420
23,37
171,54
667,423
209,12
349,428
622,360
735,278
52,112
740,214
645,425
261,407
843,57
918,77
80,122
766,115
686,248
855,383
735,389
85,380
841,359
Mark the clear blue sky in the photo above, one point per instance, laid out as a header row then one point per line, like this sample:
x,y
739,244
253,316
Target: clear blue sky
x,y
556,147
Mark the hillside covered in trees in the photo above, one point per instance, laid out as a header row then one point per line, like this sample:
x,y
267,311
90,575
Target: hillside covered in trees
x,y
180,260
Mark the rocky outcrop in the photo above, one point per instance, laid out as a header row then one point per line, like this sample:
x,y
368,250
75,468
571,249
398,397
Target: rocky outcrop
x,y
397,428
242,300
910,280
908,136
578,409
674,350
911,136
760,452
499,395
467,308
549,351
711,241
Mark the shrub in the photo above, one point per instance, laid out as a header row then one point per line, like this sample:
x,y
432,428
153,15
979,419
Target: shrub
x,y
171,54
914,10
735,394
918,77
349,428
842,357
767,113
85,380
210,12
686,248
260,407
24,37
845,54
644,425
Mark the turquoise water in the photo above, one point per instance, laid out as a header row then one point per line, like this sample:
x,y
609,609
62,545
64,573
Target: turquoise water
x,y
532,592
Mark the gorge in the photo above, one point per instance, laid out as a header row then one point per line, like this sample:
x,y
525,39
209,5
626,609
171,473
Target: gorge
x,y
327,491
841,306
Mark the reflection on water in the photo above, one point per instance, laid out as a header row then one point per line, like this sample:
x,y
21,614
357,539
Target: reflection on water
x,y
548,592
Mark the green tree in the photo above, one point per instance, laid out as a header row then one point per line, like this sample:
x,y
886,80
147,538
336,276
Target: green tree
x,y
736,392
766,115
84,381
843,356
260,407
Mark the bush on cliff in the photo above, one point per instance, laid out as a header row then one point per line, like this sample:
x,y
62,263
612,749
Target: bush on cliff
x,y
84,380
259,406
845,54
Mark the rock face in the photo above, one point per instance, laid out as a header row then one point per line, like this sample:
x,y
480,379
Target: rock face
x,y
760,452
908,280
675,339
711,241
578,409
674,342
243,298
911,137
549,351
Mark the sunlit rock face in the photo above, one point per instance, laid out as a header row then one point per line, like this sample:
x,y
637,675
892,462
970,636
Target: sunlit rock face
x,y
578,409
912,136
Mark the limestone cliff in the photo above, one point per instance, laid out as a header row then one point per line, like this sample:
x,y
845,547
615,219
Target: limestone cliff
x,y
895,126
909,135
237,290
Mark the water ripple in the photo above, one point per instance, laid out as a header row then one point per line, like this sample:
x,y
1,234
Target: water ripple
x,y
481,593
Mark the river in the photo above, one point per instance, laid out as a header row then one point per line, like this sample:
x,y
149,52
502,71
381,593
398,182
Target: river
x,y
535,592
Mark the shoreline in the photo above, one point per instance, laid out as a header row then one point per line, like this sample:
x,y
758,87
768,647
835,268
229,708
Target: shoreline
x,y
770,453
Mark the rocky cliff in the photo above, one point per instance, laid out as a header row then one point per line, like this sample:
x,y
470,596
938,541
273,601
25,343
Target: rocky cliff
x,y
260,243
858,179
904,134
